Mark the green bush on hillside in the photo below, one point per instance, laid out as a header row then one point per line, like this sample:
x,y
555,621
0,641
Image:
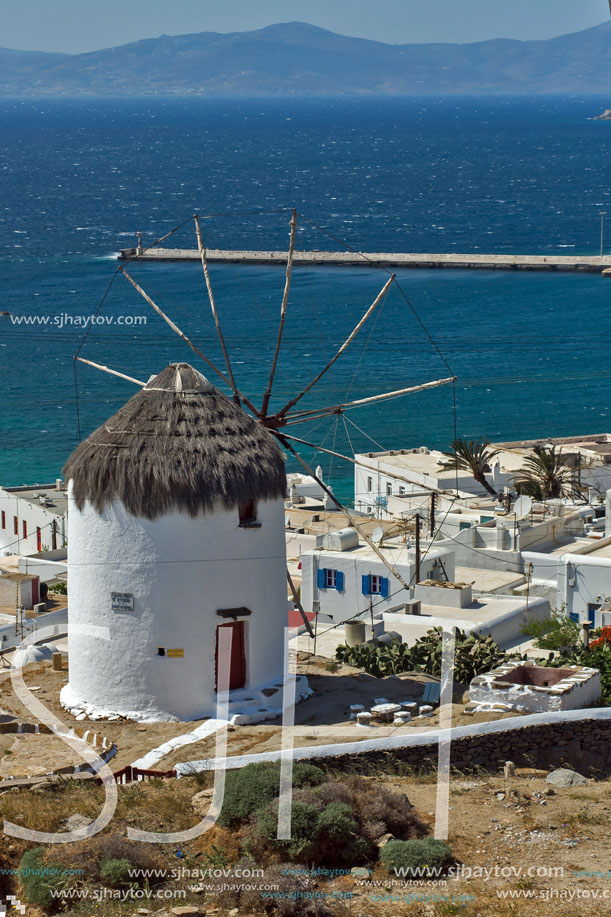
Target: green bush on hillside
x,y
553,633
253,787
115,873
40,879
414,858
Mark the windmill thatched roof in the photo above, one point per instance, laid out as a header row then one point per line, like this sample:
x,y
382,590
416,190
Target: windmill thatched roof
x,y
181,444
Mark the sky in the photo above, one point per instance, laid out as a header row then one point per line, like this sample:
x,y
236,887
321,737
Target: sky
x,y
86,25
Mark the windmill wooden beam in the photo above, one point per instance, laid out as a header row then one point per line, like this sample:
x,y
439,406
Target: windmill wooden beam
x,y
184,337
285,297
217,324
303,416
112,372
278,419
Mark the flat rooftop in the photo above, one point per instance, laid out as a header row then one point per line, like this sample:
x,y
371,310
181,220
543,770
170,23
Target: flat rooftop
x,y
57,499
395,552
490,581
587,441
602,551
480,614
430,461
561,545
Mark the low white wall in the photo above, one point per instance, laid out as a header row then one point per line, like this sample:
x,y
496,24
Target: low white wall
x,y
574,693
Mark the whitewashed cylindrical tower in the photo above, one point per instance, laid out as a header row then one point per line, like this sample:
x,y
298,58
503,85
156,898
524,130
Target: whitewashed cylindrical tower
x,y
175,529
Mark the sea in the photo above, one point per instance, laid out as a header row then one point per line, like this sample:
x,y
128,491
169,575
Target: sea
x,y
80,177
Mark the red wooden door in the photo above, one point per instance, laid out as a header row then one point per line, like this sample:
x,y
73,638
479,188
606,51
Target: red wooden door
x,y
237,672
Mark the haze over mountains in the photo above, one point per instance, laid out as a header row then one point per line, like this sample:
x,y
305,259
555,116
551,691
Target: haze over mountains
x,y
300,59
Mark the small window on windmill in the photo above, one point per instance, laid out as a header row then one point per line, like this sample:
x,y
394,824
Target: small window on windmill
x,y
247,511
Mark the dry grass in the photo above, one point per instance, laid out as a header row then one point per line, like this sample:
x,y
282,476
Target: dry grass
x,y
162,805
484,830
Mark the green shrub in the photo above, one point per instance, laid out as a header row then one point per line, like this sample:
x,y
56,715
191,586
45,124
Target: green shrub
x,y
553,633
474,654
328,835
333,824
304,825
115,873
336,820
253,787
408,858
598,657
40,879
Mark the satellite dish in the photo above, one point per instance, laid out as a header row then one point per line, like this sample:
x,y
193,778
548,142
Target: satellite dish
x,y
522,507
377,535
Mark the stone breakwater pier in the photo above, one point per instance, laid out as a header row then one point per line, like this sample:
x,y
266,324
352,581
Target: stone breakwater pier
x,y
568,263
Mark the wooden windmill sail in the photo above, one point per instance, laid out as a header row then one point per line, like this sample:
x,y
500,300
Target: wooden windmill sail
x,y
291,414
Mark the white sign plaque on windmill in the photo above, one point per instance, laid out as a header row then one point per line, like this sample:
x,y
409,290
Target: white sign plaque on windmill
x,y
121,601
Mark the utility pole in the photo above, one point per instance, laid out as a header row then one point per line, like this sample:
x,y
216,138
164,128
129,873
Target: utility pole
x,y
602,228
433,498
54,535
417,548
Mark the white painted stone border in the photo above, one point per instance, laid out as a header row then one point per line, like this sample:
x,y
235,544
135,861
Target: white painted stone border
x,y
147,761
388,743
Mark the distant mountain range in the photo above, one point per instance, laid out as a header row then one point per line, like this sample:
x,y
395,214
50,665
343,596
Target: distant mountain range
x,y
299,59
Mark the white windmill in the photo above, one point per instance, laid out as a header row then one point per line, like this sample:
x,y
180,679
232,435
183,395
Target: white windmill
x,y
176,529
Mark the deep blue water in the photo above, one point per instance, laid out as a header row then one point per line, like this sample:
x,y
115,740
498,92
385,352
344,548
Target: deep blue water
x,y
487,175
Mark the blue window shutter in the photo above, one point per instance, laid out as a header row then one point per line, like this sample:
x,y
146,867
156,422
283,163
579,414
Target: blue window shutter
x,y
339,581
366,585
321,578
384,588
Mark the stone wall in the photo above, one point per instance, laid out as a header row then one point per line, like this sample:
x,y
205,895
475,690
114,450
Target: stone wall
x,y
584,745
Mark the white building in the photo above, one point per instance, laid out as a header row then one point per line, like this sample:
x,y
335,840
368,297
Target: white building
x,y
452,605
584,585
589,456
176,532
347,578
379,476
32,519
303,489
447,605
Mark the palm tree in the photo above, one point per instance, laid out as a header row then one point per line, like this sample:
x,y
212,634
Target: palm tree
x,y
474,456
546,475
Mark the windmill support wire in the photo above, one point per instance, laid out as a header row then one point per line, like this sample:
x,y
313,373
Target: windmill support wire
x,y
112,372
345,345
285,298
202,252
346,458
184,337
314,413
344,511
